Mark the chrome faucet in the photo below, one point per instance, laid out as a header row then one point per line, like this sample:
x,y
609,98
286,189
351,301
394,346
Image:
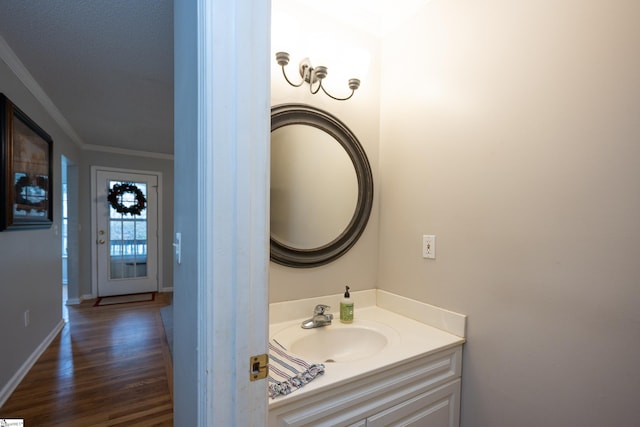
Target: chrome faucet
x,y
320,317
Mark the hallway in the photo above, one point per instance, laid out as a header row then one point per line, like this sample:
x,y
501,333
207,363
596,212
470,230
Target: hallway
x,y
109,366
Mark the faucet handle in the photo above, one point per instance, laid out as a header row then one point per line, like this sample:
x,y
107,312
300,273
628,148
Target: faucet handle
x,y
320,309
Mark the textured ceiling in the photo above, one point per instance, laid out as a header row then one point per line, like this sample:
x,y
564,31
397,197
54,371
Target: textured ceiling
x,y
107,65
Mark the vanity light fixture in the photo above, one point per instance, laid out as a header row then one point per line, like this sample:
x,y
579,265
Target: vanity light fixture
x,y
312,75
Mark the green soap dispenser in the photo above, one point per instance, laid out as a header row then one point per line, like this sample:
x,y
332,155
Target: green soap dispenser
x,y
346,307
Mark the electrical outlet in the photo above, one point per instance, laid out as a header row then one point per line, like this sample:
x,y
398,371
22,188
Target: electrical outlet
x,y
26,318
429,246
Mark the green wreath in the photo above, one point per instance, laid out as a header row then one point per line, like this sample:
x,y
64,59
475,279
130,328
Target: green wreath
x,y
115,199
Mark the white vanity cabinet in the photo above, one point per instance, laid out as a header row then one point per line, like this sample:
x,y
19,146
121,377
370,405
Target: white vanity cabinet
x,y
424,391
413,380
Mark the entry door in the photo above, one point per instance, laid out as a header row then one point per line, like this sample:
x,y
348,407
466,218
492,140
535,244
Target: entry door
x,y
127,243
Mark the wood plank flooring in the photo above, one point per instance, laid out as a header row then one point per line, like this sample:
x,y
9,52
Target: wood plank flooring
x,y
110,366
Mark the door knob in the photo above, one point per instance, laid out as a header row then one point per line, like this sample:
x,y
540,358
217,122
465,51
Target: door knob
x,y
101,241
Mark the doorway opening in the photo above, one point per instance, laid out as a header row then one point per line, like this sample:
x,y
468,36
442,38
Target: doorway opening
x,y
65,239
69,235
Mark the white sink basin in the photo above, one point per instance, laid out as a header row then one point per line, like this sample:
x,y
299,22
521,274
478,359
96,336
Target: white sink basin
x,y
337,342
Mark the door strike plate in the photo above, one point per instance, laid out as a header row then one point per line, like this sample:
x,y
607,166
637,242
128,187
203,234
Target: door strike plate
x,y
258,367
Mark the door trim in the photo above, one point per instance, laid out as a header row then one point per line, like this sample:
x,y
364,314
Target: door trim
x,y
94,225
233,143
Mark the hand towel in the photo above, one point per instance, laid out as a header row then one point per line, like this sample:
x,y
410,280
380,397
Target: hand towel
x,y
287,373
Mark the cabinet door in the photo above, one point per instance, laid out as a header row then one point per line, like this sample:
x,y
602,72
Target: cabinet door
x,y
436,408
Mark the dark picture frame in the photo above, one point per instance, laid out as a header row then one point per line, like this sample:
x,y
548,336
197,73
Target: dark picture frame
x,y
26,171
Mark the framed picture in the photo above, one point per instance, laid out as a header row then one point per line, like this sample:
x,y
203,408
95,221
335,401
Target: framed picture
x,y
26,184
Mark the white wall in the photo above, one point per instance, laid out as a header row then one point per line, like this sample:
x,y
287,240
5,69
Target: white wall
x,y
510,130
357,268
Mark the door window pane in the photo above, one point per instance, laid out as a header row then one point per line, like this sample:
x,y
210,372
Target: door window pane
x,y
128,238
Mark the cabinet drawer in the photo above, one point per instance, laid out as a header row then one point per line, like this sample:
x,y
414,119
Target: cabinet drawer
x,y
436,408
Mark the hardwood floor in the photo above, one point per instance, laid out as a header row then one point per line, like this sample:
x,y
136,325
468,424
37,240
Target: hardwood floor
x,y
110,366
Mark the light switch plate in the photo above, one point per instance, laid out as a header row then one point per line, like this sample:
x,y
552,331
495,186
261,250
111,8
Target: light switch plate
x,y
429,246
178,247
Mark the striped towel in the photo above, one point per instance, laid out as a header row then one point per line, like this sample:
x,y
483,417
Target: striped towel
x,y
288,373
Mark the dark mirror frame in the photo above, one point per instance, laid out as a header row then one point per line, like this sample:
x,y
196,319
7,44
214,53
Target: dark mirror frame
x,y
292,114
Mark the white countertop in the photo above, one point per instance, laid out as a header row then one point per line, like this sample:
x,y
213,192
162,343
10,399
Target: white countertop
x,y
410,339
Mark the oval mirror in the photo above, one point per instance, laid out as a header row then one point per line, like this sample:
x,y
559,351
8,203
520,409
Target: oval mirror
x,y
321,187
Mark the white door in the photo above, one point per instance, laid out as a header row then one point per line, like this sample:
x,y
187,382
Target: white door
x,y
127,242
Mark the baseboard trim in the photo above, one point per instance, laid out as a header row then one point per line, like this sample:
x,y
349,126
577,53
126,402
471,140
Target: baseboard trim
x,y
168,289
17,378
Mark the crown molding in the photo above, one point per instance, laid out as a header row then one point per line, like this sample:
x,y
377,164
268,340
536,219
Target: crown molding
x,y
127,152
13,62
